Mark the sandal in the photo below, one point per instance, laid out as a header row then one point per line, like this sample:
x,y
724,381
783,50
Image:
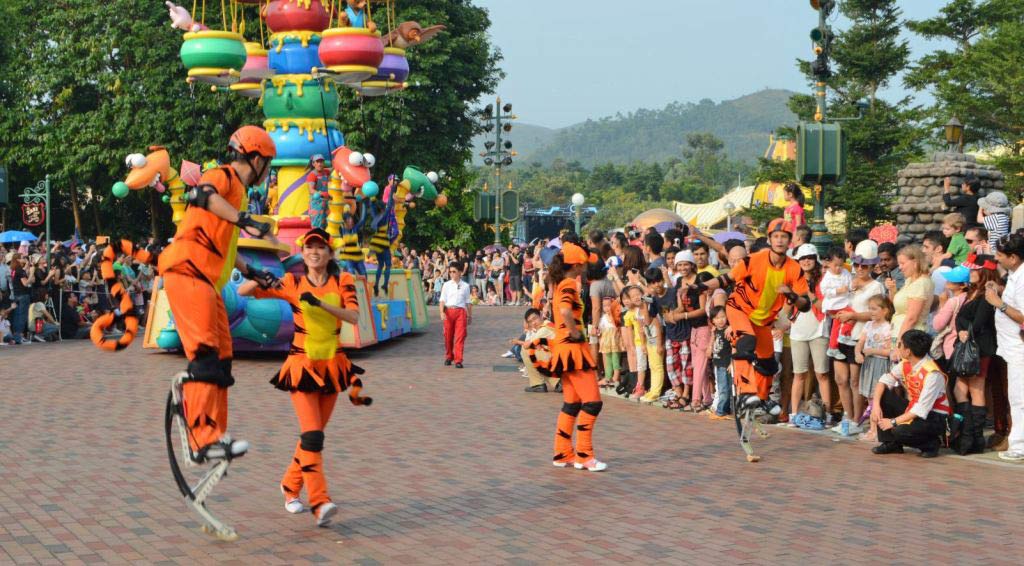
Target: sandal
x,y
673,404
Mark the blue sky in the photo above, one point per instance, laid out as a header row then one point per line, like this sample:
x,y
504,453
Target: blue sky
x,y
569,60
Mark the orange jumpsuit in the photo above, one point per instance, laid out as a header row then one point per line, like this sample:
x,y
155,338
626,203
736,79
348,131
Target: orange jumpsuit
x,y
194,268
315,371
573,363
752,308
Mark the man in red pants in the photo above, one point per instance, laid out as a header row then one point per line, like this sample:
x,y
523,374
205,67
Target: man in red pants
x,y
456,313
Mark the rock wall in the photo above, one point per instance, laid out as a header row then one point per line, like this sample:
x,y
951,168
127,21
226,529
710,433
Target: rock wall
x,y
918,205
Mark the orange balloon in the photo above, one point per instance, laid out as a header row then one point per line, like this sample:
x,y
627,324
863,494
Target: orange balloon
x,y
441,200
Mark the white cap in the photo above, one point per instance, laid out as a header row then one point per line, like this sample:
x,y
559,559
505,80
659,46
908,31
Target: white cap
x,y
806,250
685,255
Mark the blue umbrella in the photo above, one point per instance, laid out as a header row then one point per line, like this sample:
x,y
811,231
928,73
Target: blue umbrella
x,y
15,236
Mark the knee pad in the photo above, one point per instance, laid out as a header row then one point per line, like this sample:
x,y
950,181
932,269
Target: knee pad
x,y
593,408
766,366
312,441
746,347
206,367
571,409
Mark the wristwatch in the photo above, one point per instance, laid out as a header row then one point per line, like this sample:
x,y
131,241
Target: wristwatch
x,y
1003,307
892,422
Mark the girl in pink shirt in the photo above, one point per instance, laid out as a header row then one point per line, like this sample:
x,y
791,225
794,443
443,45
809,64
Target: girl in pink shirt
x,y
794,211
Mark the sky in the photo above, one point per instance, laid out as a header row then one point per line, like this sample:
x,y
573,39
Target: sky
x,y
570,60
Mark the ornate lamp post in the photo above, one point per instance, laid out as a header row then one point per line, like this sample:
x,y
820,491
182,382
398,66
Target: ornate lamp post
x,y
577,202
37,199
954,135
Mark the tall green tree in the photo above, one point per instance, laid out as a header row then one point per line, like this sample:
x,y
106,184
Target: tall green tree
x,y
431,124
868,55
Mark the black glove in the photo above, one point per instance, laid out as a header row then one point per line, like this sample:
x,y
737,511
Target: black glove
x,y
262,277
791,297
310,298
252,227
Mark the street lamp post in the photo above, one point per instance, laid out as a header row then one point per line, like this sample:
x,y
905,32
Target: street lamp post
x,y
954,135
729,209
41,194
577,201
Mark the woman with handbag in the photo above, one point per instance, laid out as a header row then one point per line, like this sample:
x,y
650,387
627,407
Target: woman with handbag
x,y
975,323
951,300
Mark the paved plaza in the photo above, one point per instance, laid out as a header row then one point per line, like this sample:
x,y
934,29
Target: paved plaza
x,y
452,467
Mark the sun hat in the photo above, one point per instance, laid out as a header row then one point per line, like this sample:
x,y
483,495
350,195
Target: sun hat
x,y
995,203
980,261
866,253
806,250
958,274
685,255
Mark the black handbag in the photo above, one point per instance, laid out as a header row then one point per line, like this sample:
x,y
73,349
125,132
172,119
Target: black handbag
x,y
966,359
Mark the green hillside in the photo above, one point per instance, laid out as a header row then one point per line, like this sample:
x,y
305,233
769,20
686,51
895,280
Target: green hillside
x,y
743,124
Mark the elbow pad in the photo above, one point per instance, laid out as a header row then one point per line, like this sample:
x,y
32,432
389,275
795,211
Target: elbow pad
x,y
200,196
804,306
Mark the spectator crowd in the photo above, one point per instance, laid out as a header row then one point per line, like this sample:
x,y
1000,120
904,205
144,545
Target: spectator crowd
x,y
904,344
48,299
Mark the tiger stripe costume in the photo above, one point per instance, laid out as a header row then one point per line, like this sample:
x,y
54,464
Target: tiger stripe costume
x,y
119,296
314,372
572,362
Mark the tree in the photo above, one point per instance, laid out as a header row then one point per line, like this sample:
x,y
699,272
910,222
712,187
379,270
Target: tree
x,y
431,124
964,80
704,173
868,55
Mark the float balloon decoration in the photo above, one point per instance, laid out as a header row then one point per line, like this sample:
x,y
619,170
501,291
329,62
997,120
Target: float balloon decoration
x,y
309,49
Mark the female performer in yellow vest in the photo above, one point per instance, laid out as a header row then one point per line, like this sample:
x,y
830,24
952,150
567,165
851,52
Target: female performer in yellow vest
x,y
316,368
351,253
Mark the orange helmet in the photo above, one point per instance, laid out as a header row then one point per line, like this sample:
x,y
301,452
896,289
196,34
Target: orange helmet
x,y
252,139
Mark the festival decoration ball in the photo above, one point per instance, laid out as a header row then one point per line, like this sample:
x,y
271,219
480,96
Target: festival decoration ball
x,y
166,199
120,189
441,200
412,205
433,177
370,189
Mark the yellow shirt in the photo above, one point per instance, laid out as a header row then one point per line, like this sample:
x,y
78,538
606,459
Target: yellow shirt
x,y
709,269
629,320
772,280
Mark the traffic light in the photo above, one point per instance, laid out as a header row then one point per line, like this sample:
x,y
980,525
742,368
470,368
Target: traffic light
x,y
507,108
508,145
488,144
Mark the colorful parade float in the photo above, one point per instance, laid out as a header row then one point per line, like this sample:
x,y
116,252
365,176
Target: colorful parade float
x,y
313,49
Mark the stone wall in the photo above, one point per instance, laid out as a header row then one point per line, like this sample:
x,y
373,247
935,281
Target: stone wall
x,y
918,205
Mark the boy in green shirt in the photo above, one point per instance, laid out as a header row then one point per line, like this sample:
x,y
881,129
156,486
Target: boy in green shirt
x,y
953,228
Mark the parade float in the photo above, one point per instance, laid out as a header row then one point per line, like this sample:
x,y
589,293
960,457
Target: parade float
x,y
313,49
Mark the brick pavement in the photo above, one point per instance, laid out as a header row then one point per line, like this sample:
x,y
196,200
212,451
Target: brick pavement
x,y
452,465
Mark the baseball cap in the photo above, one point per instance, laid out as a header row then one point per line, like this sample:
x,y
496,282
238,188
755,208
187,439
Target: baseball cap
x,y
806,250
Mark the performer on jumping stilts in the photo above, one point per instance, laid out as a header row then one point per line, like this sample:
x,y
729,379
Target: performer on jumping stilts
x,y
194,268
762,283
572,362
316,368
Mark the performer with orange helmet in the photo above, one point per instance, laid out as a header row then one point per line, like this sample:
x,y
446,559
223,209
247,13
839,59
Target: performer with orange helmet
x,y
316,368
761,284
194,267
571,360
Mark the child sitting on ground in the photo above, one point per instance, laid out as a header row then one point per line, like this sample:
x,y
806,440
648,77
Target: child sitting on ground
x,y
609,341
535,328
836,284
720,353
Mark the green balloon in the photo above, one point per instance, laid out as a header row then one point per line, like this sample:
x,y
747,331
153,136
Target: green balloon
x,y
166,199
120,189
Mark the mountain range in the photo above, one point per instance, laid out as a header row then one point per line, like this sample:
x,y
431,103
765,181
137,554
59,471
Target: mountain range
x,y
743,124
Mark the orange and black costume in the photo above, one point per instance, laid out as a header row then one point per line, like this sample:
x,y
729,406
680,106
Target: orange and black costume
x,y
315,371
193,267
752,308
572,362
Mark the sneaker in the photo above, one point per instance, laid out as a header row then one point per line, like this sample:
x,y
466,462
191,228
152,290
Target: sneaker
x,y
292,505
558,386
458,365
447,362
38,338
854,429
591,465
325,513
842,429
542,388
508,354
772,408
223,448
561,463
1012,455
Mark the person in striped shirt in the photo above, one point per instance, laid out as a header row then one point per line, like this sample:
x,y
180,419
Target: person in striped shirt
x,y
994,213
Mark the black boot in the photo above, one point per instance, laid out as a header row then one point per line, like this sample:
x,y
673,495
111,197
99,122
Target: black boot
x,y
978,432
962,442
